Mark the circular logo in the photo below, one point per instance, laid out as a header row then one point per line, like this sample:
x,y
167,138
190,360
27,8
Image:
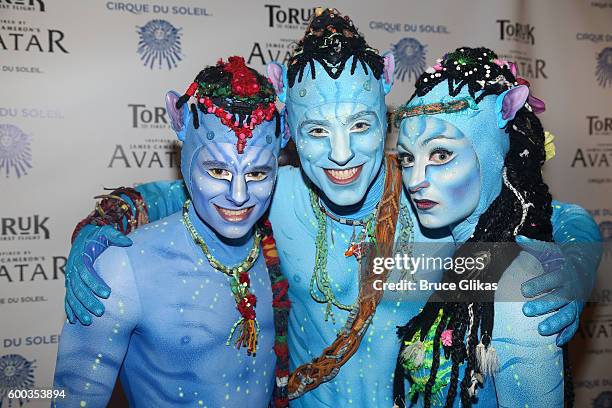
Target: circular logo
x,y
604,67
16,373
409,56
159,44
603,400
15,153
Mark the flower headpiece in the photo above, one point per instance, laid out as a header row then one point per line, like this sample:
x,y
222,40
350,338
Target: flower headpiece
x,y
238,95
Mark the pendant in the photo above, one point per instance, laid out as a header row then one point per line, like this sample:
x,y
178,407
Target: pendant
x,y
356,250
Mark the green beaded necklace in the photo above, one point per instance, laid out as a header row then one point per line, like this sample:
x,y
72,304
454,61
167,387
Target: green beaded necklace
x,y
240,285
320,285
320,277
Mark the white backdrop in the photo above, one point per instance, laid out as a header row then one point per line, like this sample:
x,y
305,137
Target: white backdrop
x,y
81,107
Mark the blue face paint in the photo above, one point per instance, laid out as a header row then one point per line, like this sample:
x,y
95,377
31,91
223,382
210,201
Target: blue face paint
x,y
478,127
339,127
230,191
440,170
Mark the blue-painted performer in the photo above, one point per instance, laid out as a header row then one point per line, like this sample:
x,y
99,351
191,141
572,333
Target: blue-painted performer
x,y
472,151
191,319
334,89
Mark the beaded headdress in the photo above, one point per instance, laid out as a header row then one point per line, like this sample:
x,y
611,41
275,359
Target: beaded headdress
x,y
461,68
238,95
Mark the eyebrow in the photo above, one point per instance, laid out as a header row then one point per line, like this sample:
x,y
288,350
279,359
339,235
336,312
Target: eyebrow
x,y
400,144
216,164
431,138
360,115
315,122
264,168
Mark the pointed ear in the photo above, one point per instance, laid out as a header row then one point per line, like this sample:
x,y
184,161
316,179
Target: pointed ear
x,y
388,71
509,102
286,134
277,74
176,115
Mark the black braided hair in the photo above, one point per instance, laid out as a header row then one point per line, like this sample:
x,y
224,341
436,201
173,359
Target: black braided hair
x,y
331,39
435,364
480,70
457,351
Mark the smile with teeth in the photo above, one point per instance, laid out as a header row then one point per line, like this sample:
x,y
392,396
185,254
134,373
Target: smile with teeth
x,y
234,215
343,176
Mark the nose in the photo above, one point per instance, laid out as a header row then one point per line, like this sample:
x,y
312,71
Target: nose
x,y
418,178
238,192
341,152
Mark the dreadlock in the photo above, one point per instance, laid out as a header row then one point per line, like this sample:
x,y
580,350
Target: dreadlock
x,y
332,39
483,74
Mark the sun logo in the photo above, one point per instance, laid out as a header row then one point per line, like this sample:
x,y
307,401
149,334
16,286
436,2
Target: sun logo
x,y
604,67
16,373
159,44
409,56
15,152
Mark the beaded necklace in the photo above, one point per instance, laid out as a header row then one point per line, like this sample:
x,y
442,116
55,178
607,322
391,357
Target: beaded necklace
x,y
320,277
320,285
240,284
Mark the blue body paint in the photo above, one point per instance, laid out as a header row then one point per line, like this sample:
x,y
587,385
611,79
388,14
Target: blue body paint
x,y
329,137
170,313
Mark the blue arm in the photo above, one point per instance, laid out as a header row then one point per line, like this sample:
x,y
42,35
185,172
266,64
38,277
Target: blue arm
x,y
531,366
163,197
89,357
83,286
570,264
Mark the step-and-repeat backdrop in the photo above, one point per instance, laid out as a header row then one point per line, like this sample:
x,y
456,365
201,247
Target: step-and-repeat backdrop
x,y
82,86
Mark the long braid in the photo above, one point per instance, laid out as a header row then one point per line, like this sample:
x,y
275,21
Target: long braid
x,y
472,340
435,362
281,305
457,353
501,222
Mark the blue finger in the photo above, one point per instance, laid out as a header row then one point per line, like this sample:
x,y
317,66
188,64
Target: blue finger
x,y
86,298
542,284
557,322
69,313
568,333
541,307
116,238
78,309
91,278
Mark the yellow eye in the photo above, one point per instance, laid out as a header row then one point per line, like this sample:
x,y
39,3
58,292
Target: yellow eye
x,y
256,176
318,132
441,156
406,160
360,127
220,174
